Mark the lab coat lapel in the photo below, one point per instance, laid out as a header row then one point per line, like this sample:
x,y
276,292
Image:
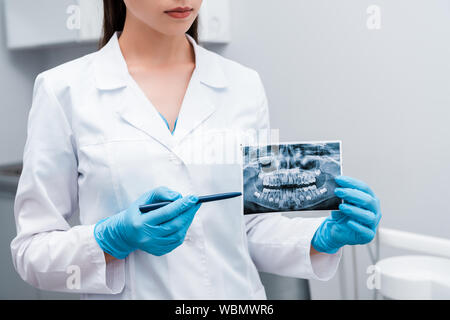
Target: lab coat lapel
x,y
137,110
207,82
197,107
111,74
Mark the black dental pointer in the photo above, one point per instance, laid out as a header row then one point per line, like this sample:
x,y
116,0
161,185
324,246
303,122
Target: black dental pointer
x,y
213,197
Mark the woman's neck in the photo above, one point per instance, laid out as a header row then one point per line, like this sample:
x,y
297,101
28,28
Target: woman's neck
x,y
146,47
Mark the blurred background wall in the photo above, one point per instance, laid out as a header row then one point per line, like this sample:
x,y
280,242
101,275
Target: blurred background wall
x,y
385,93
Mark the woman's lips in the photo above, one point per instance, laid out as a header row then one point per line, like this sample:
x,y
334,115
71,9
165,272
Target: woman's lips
x,y
179,13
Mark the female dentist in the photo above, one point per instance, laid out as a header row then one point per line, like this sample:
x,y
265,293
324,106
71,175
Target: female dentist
x,y
107,131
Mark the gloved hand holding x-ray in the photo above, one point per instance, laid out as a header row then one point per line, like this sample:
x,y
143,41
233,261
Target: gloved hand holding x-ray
x,y
291,177
308,176
356,222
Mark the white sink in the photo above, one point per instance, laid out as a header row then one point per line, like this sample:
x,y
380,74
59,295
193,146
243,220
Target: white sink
x,y
415,277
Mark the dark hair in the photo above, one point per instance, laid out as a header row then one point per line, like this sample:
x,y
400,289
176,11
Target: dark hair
x,y
114,20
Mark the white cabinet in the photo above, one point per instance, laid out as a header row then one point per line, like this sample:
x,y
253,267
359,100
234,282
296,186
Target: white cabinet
x,y
37,23
215,21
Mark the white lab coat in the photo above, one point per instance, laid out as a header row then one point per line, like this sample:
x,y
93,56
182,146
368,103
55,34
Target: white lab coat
x,y
95,144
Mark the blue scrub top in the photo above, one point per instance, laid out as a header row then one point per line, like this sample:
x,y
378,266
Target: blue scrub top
x,y
167,123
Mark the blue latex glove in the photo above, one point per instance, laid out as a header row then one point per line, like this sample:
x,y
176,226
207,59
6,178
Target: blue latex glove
x,y
356,221
157,232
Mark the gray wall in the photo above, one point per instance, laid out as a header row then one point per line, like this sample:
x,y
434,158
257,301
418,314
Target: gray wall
x,y
18,70
385,93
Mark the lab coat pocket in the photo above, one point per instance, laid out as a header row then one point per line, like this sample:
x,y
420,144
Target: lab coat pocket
x,y
98,192
143,165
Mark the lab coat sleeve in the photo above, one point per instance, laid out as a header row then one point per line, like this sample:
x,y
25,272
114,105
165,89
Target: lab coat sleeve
x,y
47,252
281,245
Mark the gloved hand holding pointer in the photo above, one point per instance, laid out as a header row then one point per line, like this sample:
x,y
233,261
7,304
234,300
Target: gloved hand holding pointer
x,y
356,221
157,232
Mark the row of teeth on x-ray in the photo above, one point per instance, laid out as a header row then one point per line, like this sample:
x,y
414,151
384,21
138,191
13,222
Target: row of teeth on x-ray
x,y
286,197
292,177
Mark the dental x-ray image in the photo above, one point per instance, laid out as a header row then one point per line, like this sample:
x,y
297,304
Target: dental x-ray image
x,y
291,177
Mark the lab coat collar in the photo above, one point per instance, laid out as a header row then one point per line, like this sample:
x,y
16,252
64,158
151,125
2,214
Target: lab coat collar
x,y
207,79
111,71
208,68
110,66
